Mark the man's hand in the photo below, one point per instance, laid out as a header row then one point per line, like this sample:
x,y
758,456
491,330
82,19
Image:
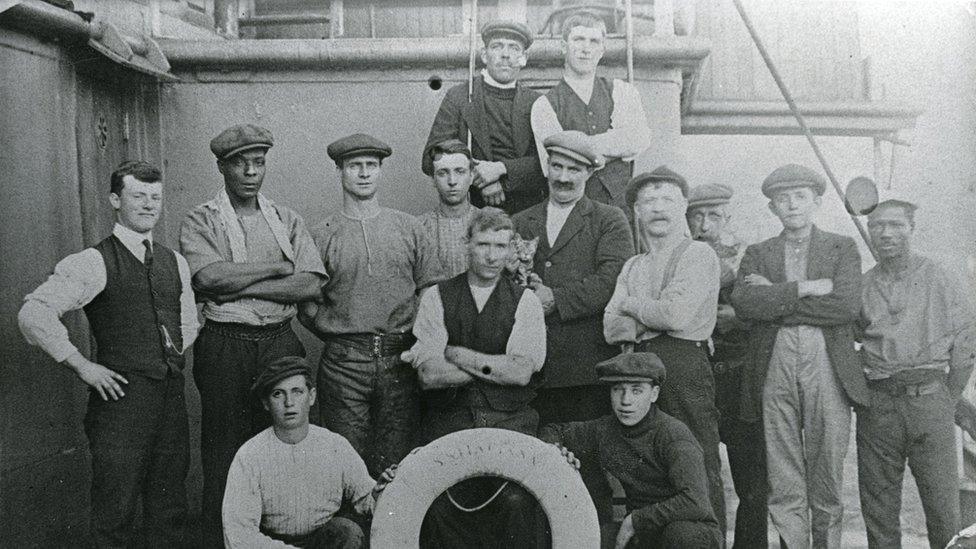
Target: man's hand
x,y
625,533
409,357
490,172
543,292
98,377
757,280
386,477
818,288
493,194
570,458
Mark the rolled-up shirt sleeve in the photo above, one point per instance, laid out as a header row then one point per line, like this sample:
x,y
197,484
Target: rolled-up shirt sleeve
x,y
76,280
189,322
198,241
528,337
429,329
544,123
629,135
307,256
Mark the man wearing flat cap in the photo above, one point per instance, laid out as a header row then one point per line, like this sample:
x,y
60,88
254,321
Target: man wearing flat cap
x,y
582,246
918,334
138,301
654,456
378,259
287,483
495,116
609,111
708,217
664,302
252,261
801,292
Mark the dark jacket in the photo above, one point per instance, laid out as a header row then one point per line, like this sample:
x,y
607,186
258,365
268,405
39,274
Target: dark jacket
x,y
524,183
768,308
581,268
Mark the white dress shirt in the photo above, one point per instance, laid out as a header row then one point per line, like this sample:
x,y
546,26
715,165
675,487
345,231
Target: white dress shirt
x,y
76,281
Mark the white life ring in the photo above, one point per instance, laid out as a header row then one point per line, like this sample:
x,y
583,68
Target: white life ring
x,y
539,467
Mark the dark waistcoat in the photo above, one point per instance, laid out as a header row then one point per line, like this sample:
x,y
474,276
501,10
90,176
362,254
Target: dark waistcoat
x,y
140,305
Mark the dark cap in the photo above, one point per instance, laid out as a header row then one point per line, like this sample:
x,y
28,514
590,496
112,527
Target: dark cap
x,y
277,370
240,138
661,174
507,29
792,176
635,367
356,145
573,144
709,194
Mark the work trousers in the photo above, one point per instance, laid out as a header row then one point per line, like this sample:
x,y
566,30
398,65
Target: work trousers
x,y
337,533
680,534
746,446
919,430
227,358
140,447
807,424
688,394
371,400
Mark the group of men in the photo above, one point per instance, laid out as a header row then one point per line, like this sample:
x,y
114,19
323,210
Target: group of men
x,y
637,364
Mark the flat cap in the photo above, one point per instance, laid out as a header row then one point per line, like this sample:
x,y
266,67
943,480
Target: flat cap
x,y
709,194
573,144
791,176
240,138
358,144
632,367
277,370
661,174
507,29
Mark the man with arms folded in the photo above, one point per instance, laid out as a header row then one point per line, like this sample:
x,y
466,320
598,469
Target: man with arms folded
x,y
917,349
664,303
252,260
447,224
137,297
801,291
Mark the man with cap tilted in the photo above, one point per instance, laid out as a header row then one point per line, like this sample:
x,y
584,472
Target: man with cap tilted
x,y
665,302
481,341
654,456
582,246
608,111
286,484
507,173
252,260
378,260
801,291
137,297
708,217
918,337
447,224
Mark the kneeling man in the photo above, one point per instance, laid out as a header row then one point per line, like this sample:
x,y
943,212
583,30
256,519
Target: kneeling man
x,y
481,341
287,482
655,457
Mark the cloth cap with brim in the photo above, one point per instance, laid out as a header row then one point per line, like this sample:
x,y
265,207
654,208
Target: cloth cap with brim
x,y
574,145
240,138
507,29
661,174
632,367
359,144
709,194
792,176
277,370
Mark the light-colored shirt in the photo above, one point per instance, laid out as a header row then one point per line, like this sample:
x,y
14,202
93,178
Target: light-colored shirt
x,y
76,281
291,489
913,319
684,308
206,239
556,216
629,133
527,339
376,267
448,236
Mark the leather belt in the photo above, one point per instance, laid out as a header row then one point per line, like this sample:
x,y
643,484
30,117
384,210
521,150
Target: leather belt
x,y
377,345
247,332
897,389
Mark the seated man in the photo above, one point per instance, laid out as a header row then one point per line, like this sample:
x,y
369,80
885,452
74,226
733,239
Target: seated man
x,y
481,341
654,456
287,482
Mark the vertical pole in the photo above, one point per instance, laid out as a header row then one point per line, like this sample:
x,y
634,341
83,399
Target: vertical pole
x,y
472,50
629,23
226,16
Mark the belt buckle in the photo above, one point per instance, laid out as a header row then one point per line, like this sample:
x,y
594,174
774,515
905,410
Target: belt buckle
x,y
377,346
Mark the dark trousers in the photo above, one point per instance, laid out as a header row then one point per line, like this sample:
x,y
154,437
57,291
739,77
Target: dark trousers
x,y
226,360
688,394
140,448
565,404
371,400
746,446
338,533
681,534
919,430
513,519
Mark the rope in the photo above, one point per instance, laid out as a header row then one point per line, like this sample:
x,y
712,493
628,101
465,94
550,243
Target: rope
x,y
460,507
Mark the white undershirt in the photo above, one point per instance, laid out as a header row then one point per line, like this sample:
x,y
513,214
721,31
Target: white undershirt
x,y
556,216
